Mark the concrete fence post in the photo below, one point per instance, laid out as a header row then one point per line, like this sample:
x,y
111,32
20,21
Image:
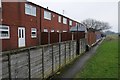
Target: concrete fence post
x,y
52,60
72,49
80,45
29,66
69,50
65,52
59,57
9,66
43,62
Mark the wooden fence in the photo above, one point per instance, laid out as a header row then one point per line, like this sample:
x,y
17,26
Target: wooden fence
x,y
40,61
54,37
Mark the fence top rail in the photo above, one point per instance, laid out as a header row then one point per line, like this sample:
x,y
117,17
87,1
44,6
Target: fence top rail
x,y
16,51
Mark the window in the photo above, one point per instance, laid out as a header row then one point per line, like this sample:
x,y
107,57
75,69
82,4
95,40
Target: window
x,y
47,15
64,21
0,4
45,30
76,24
52,30
59,19
70,23
58,31
30,10
33,32
64,31
4,32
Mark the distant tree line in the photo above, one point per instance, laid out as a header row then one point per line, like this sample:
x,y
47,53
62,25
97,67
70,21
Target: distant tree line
x,y
97,25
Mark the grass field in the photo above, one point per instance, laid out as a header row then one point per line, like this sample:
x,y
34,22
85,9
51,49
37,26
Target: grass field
x,y
104,64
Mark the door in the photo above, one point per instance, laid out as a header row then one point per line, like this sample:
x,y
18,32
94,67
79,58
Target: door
x,y
21,37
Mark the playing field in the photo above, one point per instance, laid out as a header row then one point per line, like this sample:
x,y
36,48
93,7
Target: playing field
x,y
104,64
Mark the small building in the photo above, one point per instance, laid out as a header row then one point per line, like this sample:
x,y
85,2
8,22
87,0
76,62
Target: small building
x,y
79,30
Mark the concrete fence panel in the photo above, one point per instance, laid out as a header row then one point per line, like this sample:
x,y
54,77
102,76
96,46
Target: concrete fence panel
x,y
40,61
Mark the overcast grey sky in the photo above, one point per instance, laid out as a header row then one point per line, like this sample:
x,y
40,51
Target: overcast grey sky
x,y
103,10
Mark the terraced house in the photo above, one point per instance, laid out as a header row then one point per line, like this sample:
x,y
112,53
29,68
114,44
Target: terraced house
x,y
23,22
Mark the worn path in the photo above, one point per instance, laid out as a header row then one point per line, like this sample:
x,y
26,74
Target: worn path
x,y
78,64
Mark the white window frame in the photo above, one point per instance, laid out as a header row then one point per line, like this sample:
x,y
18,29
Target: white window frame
x,y
58,31
64,20
32,10
64,31
47,15
76,24
0,4
59,19
52,30
70,22
45,30
2,29
35,31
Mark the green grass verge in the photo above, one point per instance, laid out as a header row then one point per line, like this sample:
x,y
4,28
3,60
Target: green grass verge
x,y
104,64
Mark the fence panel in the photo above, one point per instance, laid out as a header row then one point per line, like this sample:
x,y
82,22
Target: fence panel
x,y
84,44
75,48
69,35
66,36
67,52
44,38
36,63
5,67
62,54
56,57
0,65
54,37
47,60
39,62
80,48
79,35
19,65
72,49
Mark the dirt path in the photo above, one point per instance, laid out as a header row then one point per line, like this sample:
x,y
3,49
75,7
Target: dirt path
x,y
77,65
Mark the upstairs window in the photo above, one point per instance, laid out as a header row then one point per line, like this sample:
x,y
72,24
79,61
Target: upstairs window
x,y
4,32
0,4
59,19
33,33
47,15
64,21
30,10
70,23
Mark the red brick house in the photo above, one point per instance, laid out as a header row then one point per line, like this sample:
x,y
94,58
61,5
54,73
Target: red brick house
x,y
23,22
